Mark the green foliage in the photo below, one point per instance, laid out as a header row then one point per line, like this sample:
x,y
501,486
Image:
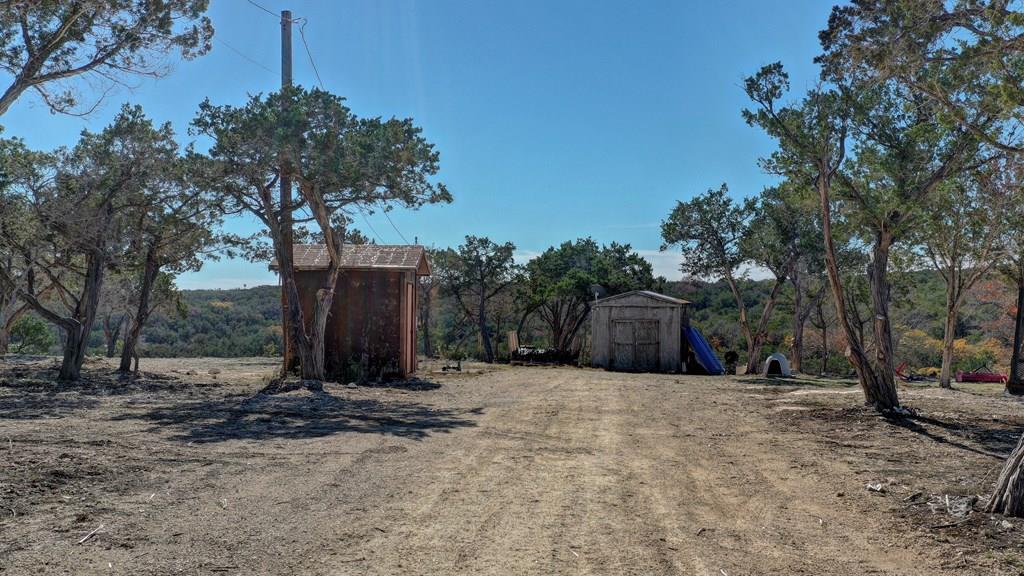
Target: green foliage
x,y
337,158
43,45
709,231
562,281
964,57
30,335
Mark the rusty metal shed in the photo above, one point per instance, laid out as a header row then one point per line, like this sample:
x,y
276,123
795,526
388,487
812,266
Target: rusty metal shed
x,y
639,331
373,316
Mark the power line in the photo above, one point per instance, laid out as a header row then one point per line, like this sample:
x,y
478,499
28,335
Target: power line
x,y
370,226
402,236
302,35
242,54
264,9
312,62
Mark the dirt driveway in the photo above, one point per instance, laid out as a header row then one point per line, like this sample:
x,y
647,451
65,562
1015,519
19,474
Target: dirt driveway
x,y
510,471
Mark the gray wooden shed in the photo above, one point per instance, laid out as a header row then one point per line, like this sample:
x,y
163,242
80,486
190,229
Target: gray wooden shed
x,y
639,331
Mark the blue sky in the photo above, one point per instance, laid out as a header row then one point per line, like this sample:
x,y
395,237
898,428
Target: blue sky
x,y
554,119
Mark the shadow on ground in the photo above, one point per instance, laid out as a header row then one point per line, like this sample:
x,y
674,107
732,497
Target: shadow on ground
x,y
788,382
33,406
305,415
32,391
991,438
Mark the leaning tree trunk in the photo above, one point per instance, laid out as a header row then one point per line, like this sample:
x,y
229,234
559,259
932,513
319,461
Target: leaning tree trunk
x,y
877,392
757,342
1015,385
748,335
485,338
150,271
1008,497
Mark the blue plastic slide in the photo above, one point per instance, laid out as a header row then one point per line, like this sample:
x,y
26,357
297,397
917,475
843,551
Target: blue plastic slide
x,y
702,350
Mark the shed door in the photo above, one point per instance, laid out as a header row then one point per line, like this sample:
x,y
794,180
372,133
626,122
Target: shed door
x,y
635,345
647,345
623,344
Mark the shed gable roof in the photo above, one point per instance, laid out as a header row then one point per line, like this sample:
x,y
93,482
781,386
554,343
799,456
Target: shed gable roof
x,y
655,299
361,256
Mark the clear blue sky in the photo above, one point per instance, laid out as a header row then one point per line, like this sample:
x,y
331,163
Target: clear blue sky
x,y
554,119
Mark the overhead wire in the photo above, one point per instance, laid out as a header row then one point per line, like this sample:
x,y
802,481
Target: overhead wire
x,y
268,11
302,22
312,62
244,56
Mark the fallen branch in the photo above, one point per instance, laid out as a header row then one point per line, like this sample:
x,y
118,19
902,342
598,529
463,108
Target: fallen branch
x,y
90,534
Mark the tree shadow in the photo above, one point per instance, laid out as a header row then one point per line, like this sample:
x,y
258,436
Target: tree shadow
x,y
410,384
94,382
789,382
35,406
994,440
33,391
307,415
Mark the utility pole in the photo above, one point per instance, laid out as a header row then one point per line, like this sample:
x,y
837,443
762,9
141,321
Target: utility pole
x,y
286,187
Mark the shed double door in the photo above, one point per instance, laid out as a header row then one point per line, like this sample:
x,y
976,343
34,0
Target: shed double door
x,y
635,345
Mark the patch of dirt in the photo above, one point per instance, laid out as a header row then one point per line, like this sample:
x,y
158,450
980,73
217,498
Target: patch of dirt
x,y
493,470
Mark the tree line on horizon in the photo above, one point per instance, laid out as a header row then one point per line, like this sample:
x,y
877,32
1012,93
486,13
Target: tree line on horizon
x,y
907,154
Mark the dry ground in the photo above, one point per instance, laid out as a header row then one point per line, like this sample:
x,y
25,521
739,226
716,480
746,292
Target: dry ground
x,y
505,471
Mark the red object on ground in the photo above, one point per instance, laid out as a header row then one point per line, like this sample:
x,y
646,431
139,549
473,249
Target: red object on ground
x,y
962,376
901,372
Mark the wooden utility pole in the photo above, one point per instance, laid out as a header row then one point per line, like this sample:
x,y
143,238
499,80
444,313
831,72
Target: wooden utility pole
x,y
286,187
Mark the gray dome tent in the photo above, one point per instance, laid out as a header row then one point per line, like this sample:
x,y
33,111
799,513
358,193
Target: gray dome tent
x,y
776,365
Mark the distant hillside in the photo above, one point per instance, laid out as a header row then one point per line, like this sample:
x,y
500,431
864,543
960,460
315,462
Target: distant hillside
x,y
225,323
246,322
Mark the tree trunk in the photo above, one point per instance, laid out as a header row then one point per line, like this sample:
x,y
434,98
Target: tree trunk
x,y
150,271
80,327
485,338
744,324
877,392
111,332
824,349
9,315
885,365
797,360
1015,385
301,345
757,342
1008,497
324,301
948,335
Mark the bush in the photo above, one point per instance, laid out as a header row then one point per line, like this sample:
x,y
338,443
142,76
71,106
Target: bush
x,y
30,335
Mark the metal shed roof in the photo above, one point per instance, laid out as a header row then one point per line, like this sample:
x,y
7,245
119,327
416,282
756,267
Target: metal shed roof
x,y
361,256
660,298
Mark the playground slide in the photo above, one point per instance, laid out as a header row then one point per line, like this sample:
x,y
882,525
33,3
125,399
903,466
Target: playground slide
x,y
702,350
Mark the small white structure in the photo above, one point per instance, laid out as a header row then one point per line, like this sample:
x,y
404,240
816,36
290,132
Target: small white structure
x,y
776,365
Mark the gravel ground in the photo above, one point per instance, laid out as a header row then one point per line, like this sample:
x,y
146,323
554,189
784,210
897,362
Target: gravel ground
x,y
496,470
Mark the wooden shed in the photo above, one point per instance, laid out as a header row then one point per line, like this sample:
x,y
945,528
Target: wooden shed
x,y
639,331
373,316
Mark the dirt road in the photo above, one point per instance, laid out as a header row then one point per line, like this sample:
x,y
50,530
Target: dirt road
x,y
515,471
